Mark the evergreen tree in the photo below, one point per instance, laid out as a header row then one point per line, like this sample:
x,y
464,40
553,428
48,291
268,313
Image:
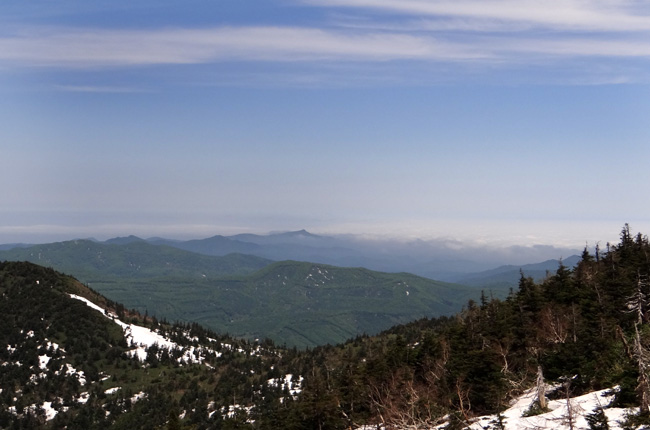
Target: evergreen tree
x,y
597,420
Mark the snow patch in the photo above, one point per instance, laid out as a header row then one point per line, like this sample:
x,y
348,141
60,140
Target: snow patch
x,y
71,371
140,395
293,386
142,338
43,360
52,346
50,412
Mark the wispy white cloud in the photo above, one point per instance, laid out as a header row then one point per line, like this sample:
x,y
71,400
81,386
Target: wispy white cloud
x,y
411,38
97,89
64,47
568,47
98,48
571,15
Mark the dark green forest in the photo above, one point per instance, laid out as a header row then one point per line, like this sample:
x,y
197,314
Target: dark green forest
x,y
585,327
294,303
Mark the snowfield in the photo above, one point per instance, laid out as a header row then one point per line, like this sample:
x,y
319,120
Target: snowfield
x,y
560,415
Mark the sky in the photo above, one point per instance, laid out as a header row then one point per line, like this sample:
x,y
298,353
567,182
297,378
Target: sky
x,y
488,121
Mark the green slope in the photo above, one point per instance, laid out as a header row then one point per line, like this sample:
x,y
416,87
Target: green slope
x,y
305,304
300,304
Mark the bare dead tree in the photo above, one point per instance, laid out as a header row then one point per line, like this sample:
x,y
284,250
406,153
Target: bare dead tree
x,y
554,325
541,389
503,349
570,417
638,352
436,369
515,382
642,357
464,403
401,404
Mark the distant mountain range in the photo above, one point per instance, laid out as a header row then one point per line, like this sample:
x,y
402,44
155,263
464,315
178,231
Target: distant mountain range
x,y
444,260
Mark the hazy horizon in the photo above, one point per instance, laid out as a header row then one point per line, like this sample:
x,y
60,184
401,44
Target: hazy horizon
x,y
484,122
491,233
381,252
488,245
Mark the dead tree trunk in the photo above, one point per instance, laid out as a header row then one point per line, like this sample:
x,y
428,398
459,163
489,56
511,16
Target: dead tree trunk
x,y
639,352
541,389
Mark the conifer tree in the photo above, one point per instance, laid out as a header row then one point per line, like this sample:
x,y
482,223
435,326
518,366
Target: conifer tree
x,y
173,423
597,420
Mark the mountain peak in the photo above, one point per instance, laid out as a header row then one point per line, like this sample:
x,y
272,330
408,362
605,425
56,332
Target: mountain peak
x,y
299,233
124,240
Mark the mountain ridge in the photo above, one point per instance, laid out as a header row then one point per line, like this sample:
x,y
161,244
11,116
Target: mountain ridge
x,y
443,260
509,275
133,257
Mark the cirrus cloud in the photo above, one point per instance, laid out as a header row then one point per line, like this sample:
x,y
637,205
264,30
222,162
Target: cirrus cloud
x,y
414,36
571,15
64,47
97,47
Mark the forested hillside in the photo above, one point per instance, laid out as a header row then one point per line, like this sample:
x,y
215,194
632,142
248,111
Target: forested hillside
x,y
294,303
64,364
585,328
134,258
307,304
577,331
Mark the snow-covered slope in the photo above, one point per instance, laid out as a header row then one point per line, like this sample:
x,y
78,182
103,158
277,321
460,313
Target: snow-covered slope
x,y
142,338
565,414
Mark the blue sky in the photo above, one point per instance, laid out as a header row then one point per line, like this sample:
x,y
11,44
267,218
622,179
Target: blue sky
x,y
497,121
